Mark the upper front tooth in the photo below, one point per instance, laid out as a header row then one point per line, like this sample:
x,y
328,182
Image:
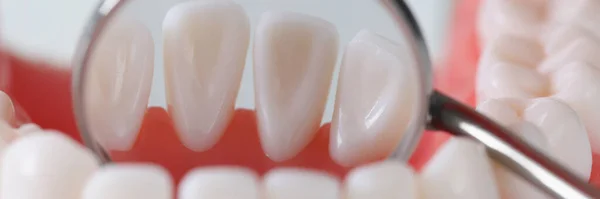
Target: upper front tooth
x,y
205,53
7,110
129,182
460,169
294,58
578,85
46,165
375,97
385,180
220,183
300,184
582,50
119,83
511,16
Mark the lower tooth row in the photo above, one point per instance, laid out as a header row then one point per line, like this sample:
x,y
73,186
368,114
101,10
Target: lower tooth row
x,y
294,55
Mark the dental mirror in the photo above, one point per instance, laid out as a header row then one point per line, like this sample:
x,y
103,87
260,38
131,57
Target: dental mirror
x,y
361,65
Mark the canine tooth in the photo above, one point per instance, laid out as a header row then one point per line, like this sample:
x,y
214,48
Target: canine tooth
x,y
516,17
119,83
220,183
294,58
205,53
577,85
581,50
129,181
45,165
7,110
374,100
460,169
300,184
385,180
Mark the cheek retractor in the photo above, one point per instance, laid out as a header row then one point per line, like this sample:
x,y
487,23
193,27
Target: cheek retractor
x,y
280,94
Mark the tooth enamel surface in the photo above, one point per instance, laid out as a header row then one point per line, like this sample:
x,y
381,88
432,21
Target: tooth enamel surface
x,y
385,180
564,134
512,49
45,165
497,17
7,110
581,12
582,50
119,83
577,84
460,169
220,183
294,58
300,184
28,129
374,100
129,182
561,36
205,51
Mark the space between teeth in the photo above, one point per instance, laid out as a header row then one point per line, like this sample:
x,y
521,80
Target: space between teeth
x,y
119,83
129,181
46,165
375,98
294,58
205,52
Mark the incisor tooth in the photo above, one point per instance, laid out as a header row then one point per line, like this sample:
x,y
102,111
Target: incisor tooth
x,y
294,58
300,184
384,180
119,83
132,181
46,165
460,169
205,52
375,99
220,183
577,84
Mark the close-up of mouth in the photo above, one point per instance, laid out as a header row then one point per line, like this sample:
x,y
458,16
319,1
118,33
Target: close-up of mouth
x,y
153,111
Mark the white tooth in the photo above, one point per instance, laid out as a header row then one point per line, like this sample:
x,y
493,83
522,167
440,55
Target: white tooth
x,y
205,52
516,17
7,110
46,165
300,184
375,99
7,134
561,37
28,129
508,80
135,181
385,180
504,112
220,183
581,12
294,58
577,84
460,169
582,50
119,83
512,49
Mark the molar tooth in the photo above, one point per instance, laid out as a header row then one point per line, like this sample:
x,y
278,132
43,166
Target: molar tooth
x,y
507,80
300,184
220,183
375,99
384,180
294,58
517,17
584,49
577,84
46,165
581,12
129,182
514,50
562,36
119,83
460,169
206,43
